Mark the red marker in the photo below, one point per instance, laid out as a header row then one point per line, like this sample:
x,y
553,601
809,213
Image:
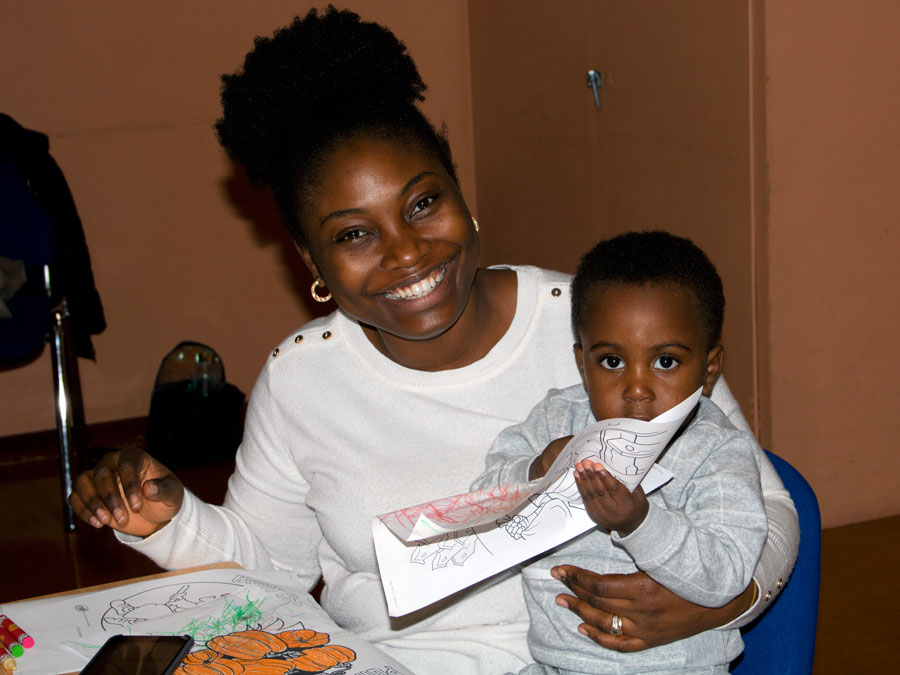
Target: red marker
x,y
7,662
20,635
12,645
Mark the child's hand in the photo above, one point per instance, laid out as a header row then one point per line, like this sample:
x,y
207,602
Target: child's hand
x,y
544,461
608,502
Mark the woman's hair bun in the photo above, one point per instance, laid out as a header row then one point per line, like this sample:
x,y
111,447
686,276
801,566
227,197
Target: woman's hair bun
x,y
322,67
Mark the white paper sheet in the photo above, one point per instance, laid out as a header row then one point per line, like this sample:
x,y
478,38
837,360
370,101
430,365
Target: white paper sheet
x,y
69,629
429,551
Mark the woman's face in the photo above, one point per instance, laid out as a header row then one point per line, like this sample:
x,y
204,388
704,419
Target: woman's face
x,y
391,237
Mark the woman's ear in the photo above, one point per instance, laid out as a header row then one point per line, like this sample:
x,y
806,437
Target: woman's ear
x,y
714,360
308,260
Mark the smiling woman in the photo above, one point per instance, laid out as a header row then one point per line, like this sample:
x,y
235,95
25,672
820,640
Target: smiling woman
x,y
396,246
395,397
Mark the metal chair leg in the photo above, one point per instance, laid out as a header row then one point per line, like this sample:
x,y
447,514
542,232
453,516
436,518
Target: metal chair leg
x,y
69,410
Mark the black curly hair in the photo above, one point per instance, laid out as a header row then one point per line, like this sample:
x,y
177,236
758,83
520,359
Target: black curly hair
x,y
317,82
655,257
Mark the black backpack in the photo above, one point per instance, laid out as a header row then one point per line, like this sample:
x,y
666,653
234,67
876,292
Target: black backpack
x,y
195,415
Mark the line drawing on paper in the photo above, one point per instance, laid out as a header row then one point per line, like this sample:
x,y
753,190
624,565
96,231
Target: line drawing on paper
x,y
622,452
459,509
452,548
161,601
545,509
628,453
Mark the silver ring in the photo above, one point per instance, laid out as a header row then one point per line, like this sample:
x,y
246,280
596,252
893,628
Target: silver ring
x,y
616,628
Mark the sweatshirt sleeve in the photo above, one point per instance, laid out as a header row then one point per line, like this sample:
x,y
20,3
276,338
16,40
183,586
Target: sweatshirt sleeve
x,y
706,552
782,544
264,515
783,540
514,449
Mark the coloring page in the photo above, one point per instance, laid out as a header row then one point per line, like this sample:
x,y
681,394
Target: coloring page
x,y
242,621
429,551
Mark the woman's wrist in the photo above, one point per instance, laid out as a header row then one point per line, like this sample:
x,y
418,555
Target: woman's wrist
x,y
755,594
742,603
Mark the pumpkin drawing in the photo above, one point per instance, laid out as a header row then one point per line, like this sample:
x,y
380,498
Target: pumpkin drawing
x,y
317,659
301,639
209,662
247,644
258,652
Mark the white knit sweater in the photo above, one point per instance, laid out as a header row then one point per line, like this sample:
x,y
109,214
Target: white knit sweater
x,y
336,434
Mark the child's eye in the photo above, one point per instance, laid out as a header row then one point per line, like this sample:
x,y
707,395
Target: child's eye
x,y
423,204
611,362
665,362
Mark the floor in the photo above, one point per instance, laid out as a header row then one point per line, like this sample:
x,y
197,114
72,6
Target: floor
x,y
858,630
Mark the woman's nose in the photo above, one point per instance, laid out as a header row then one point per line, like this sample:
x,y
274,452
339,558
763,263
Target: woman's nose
x,y
403,245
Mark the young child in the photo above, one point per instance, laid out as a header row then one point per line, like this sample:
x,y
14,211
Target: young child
x,y
647,312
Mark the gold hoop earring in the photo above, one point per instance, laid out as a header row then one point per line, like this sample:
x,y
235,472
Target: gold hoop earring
x,y
312,290
475,223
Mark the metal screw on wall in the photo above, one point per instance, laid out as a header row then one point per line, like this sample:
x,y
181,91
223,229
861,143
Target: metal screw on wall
x,y
595,82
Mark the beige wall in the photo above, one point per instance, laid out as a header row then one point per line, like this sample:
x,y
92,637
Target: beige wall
x,y
128,93
669,147
833,138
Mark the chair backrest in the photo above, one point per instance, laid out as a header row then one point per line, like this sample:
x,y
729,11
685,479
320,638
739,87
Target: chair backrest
x,y
783,639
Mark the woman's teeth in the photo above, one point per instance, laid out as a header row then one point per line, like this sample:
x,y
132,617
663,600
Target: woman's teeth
x,y
418,289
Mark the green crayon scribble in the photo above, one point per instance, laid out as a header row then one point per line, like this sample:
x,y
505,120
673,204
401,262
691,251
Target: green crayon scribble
x,y
235,616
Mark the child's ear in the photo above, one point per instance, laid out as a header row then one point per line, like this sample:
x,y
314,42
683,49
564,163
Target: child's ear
x,y
714,359
579,360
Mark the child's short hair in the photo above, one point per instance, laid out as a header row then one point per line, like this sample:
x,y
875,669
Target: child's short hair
x,y
651,258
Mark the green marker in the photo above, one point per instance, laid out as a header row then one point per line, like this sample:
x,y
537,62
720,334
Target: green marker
x,y
9,645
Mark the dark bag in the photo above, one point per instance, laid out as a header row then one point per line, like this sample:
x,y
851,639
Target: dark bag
x,y
195,415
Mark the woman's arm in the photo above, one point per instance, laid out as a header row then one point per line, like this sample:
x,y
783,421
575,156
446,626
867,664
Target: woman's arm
x,y
654,616
705,550
651,615
264,518
780,550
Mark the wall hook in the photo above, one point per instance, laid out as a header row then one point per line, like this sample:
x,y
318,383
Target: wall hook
x,y
595,82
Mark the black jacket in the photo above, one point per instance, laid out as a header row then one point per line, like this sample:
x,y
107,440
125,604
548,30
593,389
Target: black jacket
x,y
71,275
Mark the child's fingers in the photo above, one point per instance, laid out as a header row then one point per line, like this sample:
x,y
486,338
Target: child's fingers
x,y
587,478
603,482
610,483
600,504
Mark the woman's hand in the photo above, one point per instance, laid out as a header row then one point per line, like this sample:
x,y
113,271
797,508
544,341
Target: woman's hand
x,y
649,614
128,491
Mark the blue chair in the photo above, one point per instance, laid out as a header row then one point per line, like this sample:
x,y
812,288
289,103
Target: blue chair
x,y
782,641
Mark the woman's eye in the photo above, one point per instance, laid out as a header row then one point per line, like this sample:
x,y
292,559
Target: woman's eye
x,y
350,235
611,362
423,204
665,362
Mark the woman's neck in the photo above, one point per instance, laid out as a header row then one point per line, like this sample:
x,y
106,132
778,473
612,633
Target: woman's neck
x,y
484,321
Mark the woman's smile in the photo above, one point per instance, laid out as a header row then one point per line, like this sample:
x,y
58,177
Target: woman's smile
x,y
418,289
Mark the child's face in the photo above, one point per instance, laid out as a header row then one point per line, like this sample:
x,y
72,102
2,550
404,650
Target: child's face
x,y
643,350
